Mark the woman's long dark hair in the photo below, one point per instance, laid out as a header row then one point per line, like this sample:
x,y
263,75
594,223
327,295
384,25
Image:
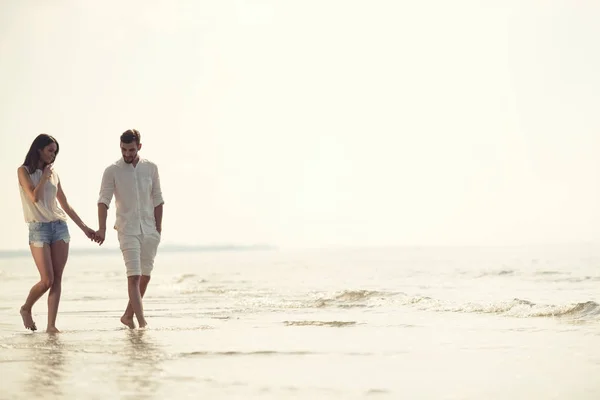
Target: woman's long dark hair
x,y
32,158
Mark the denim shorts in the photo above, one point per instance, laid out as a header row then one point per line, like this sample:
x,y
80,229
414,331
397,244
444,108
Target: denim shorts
x,y
41,233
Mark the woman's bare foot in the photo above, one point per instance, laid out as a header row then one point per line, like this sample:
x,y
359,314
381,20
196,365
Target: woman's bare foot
x,y
52,330
143,324
128,322
28,319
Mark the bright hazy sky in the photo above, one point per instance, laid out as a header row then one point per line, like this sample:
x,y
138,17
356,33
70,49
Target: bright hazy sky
x,y
316,123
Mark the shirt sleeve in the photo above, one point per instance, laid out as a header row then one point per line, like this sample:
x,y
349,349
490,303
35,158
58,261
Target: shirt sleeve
x,y
107,188
157,198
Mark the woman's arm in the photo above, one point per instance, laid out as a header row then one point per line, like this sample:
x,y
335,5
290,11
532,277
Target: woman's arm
x,y
34,193
62,199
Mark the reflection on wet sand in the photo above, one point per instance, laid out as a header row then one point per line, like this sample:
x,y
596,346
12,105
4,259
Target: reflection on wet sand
x,y
48,370
141,369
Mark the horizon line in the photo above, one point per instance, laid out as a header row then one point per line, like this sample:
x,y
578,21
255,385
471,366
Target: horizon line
x,y
172,248
165,248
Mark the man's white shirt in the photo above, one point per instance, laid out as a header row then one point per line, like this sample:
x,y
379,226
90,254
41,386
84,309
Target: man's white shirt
x,y
137,192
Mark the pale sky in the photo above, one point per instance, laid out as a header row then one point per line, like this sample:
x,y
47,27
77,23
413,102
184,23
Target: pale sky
x,y
316,123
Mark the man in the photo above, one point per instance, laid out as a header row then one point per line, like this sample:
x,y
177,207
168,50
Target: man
x,y
135,183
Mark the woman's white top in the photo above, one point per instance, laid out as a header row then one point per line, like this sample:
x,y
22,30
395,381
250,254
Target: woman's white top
x,y
46,209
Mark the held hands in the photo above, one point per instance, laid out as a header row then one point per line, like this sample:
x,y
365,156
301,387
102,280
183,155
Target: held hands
x,y
94,236
90,233
99,236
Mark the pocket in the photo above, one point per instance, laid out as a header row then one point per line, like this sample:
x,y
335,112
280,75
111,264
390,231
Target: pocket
x,y
62,229
146,184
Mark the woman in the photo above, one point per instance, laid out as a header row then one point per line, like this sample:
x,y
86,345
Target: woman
x,y
40,187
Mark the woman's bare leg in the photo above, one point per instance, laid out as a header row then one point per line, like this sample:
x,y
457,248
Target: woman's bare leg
x,y
60,254
43,261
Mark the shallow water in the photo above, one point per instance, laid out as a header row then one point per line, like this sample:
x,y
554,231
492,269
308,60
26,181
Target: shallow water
x,y
420,323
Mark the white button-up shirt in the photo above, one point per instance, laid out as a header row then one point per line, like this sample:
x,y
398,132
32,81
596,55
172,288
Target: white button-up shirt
x,y
137,192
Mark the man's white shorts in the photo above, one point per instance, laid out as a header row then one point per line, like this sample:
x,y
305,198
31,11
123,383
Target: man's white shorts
x,y
139,252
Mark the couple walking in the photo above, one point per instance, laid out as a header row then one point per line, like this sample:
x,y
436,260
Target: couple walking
x,y
135,184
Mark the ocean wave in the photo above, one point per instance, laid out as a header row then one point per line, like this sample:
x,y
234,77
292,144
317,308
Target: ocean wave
x,y
233,353
352,298
541,275
207,290
515,308
187,277
244,353
333,324
520,308
90,298
502,272
578,279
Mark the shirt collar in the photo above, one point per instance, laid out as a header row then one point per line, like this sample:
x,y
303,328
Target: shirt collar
x,y
121,163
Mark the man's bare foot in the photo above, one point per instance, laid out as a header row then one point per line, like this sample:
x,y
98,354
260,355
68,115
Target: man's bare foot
x,y
28,319
52,330
128,322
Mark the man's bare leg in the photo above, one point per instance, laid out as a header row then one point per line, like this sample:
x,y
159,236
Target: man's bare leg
x,y
135,298
127,318
43,261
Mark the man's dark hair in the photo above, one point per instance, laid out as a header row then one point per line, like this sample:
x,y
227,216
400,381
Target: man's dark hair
x,y
131,135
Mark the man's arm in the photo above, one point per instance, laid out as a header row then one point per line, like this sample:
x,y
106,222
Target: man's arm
x,y
107,190
157,200
102,214
158,213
